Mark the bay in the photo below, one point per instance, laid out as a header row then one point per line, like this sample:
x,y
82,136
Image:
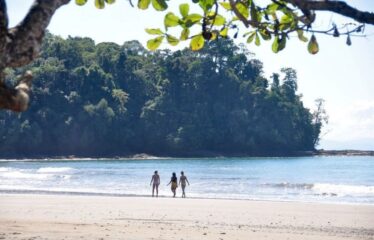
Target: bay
x,y
339,179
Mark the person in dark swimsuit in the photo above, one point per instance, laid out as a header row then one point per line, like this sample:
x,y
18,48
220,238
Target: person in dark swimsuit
x,y
174,183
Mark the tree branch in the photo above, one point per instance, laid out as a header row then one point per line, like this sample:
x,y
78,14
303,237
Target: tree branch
x,y
3,27
19,46
338,7
3,21
238,14
242,18
16,99
26,38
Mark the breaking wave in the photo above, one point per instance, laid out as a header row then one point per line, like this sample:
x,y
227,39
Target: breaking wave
x,y
326,189
290,185
55,169
343,190
40,174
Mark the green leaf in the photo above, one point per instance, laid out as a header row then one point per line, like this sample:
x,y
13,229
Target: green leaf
x,y
336,32
275,45
274,16
197,42
214,35
313,45
192,19
80,2
284,26
154,31
172,40
171,20
226,5
251,37
242,9
265,34
224,32
282,42
184,9
110,1
259,16
349,41
257,41
219,20
159,5
154,43
271,8
100,4
143,4
286,19
300,34
247,33
285,10
184,34
253,12
286,22
206,5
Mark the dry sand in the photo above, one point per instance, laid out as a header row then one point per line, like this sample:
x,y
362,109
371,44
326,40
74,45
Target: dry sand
x,y
93,217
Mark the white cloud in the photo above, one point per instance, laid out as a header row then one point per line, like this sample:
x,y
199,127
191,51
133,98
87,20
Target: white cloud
x,y
351,122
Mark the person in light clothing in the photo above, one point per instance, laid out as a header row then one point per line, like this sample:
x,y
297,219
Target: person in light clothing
x,y
182,182
156,182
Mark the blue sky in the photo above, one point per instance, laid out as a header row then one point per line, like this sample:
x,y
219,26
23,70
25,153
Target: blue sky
x,y
342,75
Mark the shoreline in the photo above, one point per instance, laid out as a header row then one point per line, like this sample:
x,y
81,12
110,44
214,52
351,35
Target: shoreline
x,y
144,156
146,218
119,195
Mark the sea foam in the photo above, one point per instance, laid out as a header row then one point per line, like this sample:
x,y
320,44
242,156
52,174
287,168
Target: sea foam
x,y
55,170
343,190
32,174
24,175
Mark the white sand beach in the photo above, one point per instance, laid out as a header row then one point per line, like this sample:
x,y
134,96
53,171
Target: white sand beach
x,y
101,217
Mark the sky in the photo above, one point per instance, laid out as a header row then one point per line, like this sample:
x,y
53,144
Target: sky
x,y
342,75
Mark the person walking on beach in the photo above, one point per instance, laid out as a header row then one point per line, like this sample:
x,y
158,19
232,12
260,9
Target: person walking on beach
x,y
182,182
174,183
156,182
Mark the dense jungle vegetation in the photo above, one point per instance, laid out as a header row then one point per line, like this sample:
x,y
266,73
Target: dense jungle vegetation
x,y
109,100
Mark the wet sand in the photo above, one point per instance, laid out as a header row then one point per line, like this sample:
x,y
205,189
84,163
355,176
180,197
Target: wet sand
x,y
98,217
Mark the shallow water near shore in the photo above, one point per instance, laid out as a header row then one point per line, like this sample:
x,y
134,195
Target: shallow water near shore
x,y
339,179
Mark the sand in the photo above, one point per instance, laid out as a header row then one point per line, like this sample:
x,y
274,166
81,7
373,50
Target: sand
x,y
98,217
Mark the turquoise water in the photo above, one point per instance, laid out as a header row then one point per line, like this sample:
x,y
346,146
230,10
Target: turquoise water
x,y
316,179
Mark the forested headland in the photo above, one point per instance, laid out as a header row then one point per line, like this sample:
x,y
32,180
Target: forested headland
x,y
114,100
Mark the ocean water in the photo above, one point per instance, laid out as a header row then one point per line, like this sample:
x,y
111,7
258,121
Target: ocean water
x,y
310,179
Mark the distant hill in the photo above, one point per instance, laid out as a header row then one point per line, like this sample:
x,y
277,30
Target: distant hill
x,y
106,100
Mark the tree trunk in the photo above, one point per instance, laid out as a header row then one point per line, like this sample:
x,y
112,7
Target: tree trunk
x,y
21,45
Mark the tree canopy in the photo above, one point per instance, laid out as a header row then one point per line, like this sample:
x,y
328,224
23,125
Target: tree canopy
x,y
271,20
108,99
